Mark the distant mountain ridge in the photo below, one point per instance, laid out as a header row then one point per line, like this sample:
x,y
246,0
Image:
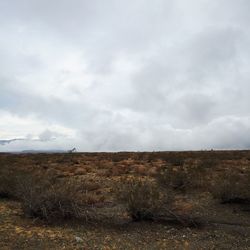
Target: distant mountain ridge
x,y
3,142
34,151
49,151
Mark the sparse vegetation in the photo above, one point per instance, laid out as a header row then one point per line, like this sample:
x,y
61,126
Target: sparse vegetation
x,y
49,201
183,178
45,198
6,185
167,188
173,178
142,198
207,163
9,180
232,188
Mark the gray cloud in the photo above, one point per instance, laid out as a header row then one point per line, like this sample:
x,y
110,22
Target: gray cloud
x,y
116,75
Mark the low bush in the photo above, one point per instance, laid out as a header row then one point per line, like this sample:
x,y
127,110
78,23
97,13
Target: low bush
x,y
232,188
142,198
175,161
182,178
47,198
61,200
7,184
206,163
175,178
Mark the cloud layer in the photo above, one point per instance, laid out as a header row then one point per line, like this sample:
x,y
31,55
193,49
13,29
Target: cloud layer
x,y
124,75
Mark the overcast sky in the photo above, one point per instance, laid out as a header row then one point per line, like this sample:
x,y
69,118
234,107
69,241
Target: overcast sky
x,y
124,75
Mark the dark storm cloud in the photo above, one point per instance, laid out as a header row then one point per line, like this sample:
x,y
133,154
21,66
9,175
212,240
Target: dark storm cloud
x,y
124,75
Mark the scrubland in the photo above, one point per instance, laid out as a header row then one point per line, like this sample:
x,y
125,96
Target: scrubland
x,y
126,200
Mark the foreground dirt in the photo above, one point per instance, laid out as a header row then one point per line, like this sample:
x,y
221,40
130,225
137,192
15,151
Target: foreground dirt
x,y
17,232
222,226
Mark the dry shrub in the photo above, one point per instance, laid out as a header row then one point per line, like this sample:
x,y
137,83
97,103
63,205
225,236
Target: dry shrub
x,y
92,184
117,170
232,188
117,157
174,178
89,169
141,170
176,161
182,178
208,163
50,201
48,197
7,184
152,171
142,198
80,171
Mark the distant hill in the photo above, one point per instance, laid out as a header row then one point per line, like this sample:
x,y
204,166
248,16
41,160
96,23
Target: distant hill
x,y
52,151
3,142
